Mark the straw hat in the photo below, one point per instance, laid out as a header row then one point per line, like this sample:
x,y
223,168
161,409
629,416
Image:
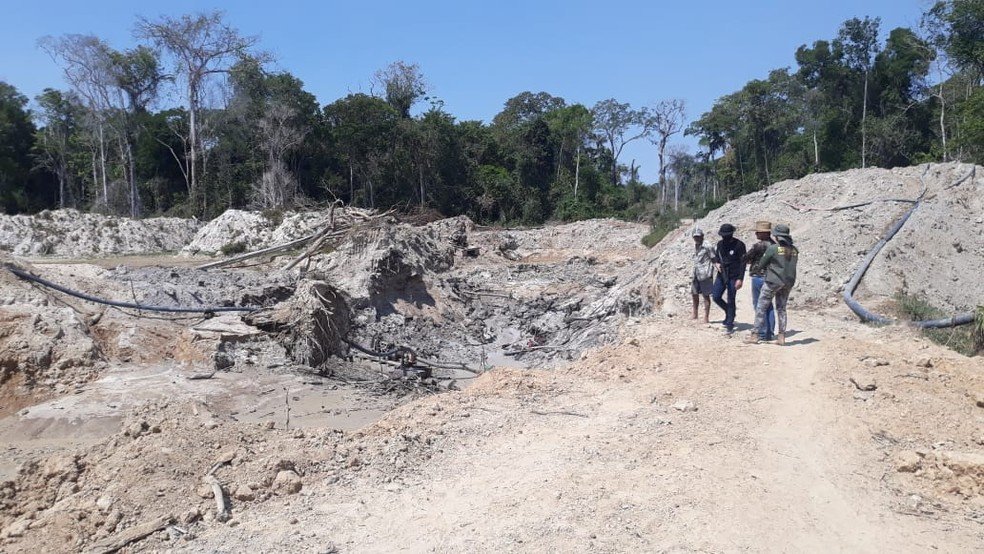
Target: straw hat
x,y
763,226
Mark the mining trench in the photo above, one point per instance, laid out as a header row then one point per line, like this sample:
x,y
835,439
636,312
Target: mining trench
x,y
511,305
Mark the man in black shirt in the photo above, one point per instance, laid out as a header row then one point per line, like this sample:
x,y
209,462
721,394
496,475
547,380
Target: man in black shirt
x,y
729,258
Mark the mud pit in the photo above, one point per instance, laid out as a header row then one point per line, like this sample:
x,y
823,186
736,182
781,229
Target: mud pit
x,y
600,420
512,304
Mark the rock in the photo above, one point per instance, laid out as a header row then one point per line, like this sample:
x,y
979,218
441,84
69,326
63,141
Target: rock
x,y
104,503
964,463
287,482
865,383
191,516
226,456
17,528
907,461
924,362
244,493
862,396
204,491
979,399
685,406
875,362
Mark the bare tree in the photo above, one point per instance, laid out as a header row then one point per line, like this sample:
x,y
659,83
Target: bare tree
x,y
666,120
619,124
202,45
280,133
86,63
403,85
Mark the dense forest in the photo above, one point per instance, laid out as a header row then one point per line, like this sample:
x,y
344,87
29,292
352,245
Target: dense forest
x,y
248,137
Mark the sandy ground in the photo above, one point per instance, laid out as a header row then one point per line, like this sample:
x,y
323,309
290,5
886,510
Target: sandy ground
x,y
782,454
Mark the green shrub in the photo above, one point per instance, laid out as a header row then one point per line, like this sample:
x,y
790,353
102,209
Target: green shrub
x,y
233,248
966,339
274,215
660,225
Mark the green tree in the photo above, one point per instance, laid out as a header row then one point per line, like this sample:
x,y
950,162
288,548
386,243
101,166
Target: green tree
x,y
56,149
619,124
17,134
859,40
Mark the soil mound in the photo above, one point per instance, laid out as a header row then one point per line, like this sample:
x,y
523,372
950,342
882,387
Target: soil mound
x,y
238,230
70,233
836,218
378,266
41,345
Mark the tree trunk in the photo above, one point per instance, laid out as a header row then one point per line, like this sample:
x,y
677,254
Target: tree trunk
x,y
942,121
662,170
816,152
351,183
864,116
420,171
577,170
61,190
193,139
134,192
102,163
95,170
676,194
560,159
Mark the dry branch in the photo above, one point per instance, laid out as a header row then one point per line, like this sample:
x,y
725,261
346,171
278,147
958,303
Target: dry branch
x,y
348,219
221,507
129,536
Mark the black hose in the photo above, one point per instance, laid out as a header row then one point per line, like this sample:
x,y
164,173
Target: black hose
x,y
177,309
401,349
870,317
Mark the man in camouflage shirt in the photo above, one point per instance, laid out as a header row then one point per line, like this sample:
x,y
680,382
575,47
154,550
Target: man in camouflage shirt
x,y
763,232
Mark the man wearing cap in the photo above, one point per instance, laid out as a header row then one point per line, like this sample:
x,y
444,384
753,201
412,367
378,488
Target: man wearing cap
x,y
729,258
763,232
779,264
702,280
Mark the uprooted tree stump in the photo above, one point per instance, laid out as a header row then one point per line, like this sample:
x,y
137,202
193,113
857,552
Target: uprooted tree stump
x,y
310,324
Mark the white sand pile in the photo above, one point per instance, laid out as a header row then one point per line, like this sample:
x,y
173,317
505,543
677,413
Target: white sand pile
x,y
70,233
938,255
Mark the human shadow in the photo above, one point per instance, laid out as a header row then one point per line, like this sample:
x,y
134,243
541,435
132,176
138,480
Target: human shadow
x,y
799,342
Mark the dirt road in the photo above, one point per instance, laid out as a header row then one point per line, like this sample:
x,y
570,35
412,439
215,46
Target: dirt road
x,y
781,454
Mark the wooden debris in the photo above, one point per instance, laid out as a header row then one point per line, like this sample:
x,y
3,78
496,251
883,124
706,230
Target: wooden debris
x,y
348,220
221,506
129,536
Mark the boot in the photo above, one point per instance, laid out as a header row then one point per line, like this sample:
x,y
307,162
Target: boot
x,y
781,339
752,338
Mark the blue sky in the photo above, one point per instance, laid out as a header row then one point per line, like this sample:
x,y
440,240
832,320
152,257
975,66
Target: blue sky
x,y
476,55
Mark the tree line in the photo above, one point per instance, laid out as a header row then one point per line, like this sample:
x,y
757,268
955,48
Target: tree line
x,y
192,121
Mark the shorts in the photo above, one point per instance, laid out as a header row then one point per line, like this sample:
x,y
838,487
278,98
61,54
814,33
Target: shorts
x,y
701,287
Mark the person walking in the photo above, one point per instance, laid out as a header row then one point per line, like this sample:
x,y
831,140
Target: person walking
x,y
702,280
763,232
779,264
729,259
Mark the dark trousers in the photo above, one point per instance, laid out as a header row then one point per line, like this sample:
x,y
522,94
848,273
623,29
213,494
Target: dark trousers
x,y
729,307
